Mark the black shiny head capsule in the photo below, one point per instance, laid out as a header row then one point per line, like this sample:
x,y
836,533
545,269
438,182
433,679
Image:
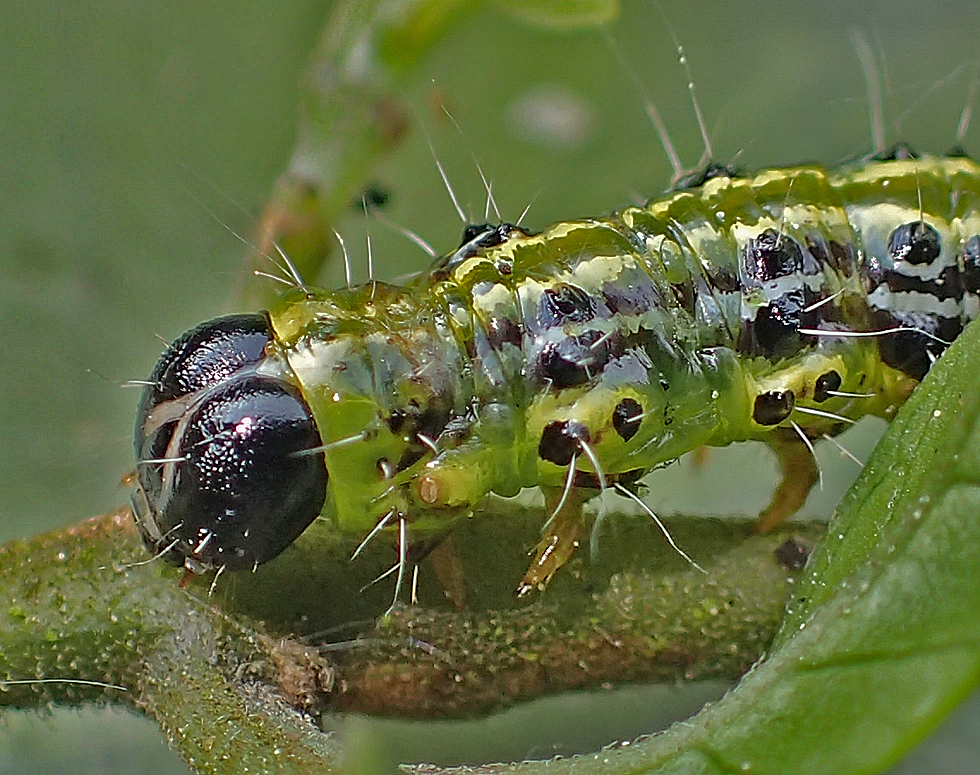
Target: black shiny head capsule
x,y
225,475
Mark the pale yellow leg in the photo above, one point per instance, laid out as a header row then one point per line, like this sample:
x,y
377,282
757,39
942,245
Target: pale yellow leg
x,y
559,540
799,474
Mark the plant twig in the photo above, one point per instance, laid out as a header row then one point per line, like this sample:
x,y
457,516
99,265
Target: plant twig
x,y
79,610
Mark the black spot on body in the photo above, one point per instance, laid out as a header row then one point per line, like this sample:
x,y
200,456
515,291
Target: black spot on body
x,y
561,441
827,382
774,333
633,297
948,285
771,255
557,368
476,237
897,152
773,407
439,270
488,235
971,265
565,303
473,231
819,250
626,418
773,329
577,359
916,242
708,172
913,351
410,422
503,330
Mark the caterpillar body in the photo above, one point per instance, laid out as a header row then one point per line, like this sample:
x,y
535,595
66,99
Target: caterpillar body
x,y
779,307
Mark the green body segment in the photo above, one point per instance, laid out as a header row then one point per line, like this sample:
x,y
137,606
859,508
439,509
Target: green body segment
x,y
771,308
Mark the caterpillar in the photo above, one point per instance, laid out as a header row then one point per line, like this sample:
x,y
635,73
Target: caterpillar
x,y
779,307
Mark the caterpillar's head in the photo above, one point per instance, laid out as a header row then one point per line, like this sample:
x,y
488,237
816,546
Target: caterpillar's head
x,y
225,472
244,416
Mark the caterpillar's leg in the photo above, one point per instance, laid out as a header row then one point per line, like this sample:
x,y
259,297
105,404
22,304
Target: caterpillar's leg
x,y
448,568
442,555
559,539
798,470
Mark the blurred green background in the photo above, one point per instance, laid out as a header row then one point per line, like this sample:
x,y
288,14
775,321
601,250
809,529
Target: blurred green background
x,y
134,134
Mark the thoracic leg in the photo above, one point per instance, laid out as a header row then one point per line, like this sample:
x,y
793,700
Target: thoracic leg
x,y
559,539
799,473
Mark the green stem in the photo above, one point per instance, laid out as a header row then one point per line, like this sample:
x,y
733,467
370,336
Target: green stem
x,y
350,115
78,610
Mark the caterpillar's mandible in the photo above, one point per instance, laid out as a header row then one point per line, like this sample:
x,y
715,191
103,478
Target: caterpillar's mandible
x,y
779,307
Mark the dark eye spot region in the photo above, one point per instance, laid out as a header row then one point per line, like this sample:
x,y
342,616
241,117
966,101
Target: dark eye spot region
x,y
561,441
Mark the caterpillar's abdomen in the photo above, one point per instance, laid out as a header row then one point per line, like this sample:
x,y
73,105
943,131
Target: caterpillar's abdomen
x,y
723,309
778,307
